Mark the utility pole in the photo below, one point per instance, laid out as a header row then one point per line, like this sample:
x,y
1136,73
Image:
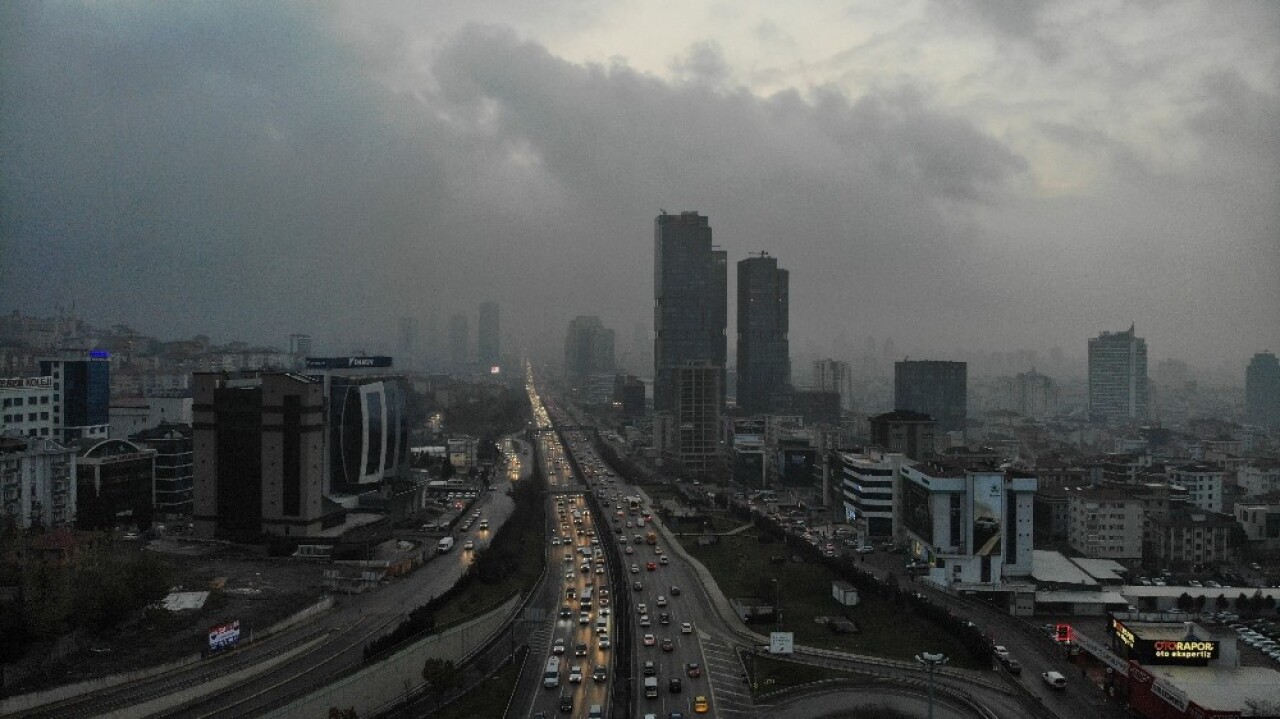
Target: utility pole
x,y
931,662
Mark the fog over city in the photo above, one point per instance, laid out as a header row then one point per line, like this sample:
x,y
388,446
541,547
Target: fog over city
x,y
955,175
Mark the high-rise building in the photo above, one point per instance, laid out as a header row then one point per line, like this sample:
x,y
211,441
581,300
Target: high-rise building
x,y
459,342
38,477
694,426
1262,390
690,315
1035,395
588,348
82,395
1118,377
834,376
299,345
764,359
488,336
407,341
936,388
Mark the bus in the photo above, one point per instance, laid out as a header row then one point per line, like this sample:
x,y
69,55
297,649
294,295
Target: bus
x,y
551,675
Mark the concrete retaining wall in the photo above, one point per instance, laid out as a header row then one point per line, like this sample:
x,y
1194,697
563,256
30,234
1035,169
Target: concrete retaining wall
x,y
382,683
27,702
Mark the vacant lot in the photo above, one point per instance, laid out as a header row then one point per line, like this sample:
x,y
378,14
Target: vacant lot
x,y
743,567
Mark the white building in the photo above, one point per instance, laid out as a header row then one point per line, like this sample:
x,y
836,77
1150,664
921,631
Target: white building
x,y
867,483
26,407
971,526
1106,523
37,482
1203,484
1259,478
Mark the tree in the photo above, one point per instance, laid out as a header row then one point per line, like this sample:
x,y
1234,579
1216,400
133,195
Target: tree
x,y
1242,602
1199,603
1185,602
1222,602
440,675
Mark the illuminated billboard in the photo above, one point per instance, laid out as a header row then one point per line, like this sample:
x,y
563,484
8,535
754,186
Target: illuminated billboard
x,y
1187,651
917,514
988,503
224,635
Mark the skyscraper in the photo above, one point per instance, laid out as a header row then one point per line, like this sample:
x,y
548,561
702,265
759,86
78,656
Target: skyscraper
x,y
82,394
1262,390
1118,377
938,389
691,307
407,342
834,376
588,348
764,358
488,336
459,342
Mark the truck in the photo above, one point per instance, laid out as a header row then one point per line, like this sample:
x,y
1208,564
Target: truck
x,y
651,687
445,545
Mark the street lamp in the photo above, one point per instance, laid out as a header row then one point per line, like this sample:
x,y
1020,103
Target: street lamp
x,y
777,605
931,662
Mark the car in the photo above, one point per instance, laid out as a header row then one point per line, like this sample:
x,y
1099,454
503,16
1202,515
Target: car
x,y
575,674
650,669
686,628
675,591
1000,651
584,618
558,647
667,644
650,640
663,560
629,549
651,566
1054,679
565,612
674,685
644,620
599,570
599,674
642,608
664,618
661,601
1011,665
637,586
603,642
568,558
693,670
468,545
865,549
580,649
700,705
635,569
657,549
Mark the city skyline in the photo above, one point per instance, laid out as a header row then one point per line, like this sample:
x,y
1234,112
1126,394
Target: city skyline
x,y
1044,172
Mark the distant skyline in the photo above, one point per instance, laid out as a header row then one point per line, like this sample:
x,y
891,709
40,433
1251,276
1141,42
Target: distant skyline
x,y
984,175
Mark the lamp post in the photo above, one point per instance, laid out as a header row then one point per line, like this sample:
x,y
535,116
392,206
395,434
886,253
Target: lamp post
x,y
777,605
931,662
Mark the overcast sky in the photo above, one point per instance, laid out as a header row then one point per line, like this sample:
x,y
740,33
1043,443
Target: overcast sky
x,y
988,174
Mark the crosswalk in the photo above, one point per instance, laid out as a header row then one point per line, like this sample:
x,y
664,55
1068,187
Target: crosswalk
x,y
724,668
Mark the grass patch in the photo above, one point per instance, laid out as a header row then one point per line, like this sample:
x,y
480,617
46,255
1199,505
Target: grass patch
x,y
487,699
742,568
479,597
767,674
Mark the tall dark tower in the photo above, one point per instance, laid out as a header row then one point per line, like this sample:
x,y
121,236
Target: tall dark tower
x,y
764,357
691,307
938,389
488,343
1262,390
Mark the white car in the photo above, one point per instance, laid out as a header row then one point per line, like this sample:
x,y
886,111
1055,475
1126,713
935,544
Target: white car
x,y
558,647
686,628
575,674
642,608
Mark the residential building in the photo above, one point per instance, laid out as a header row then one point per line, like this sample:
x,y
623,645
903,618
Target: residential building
x,y
1118,378
1106,523
936,388
973,527
1191,537
37,482
1262,390
834,376
764,356
690,303
1261,523
1035,395
691,430
489,337
1204,484
904,432
175,467
1051,511
1259,477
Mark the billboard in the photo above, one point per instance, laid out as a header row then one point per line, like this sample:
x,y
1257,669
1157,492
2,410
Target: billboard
x,y
224,635
782,642
917,513
988,503
347,362
1189,651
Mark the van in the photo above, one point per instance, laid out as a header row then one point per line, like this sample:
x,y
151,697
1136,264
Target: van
x,y
445,545
651,687
551,675
1055,680
595,712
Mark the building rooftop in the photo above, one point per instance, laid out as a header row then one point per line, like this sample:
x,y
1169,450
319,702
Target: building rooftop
x,y
1055,568
1104,570
1224,688
902,415
1079,596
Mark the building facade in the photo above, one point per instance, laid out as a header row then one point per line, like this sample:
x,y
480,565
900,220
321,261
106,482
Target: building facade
x,y
459,342
690,315
970,526
175,467
764,354
1118,378
1190,537
489,337
1262,390
1204,484
82,395
936,388
834,376
867,482
37,483
1105,523
588,349
115,484
905,432
27,407
691,430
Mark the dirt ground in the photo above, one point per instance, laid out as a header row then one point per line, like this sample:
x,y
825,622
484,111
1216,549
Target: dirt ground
x,y
258,591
